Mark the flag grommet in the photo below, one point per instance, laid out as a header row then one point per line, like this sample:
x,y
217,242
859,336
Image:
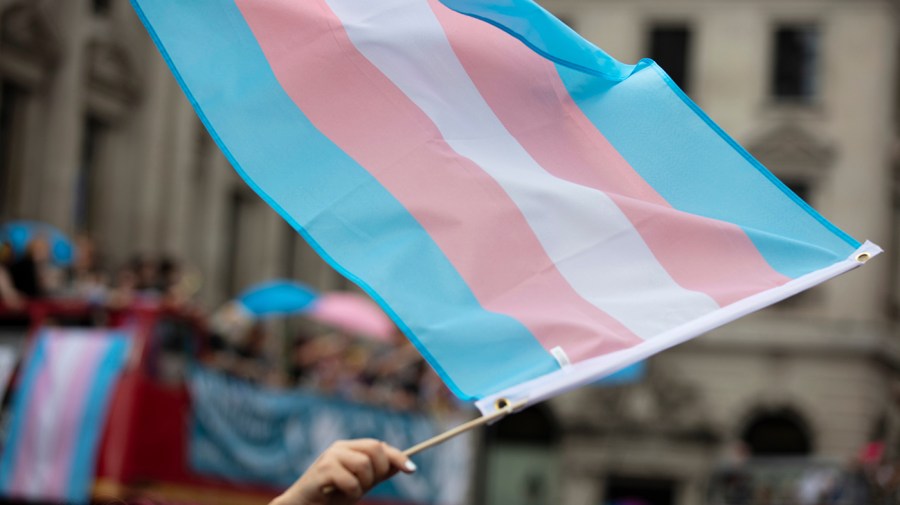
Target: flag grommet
x,y
501,403
863,257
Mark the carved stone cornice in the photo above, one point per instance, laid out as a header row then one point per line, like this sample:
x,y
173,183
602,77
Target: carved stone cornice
x,y
29,44
791,151
112,83
662,404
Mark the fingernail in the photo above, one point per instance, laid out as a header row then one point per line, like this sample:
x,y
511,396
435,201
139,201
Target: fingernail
x,y
409,465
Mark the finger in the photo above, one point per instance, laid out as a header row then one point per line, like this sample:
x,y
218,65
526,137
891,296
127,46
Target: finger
x,y
399,460
359,444
396,457
345,482
358,463
375,450
380,461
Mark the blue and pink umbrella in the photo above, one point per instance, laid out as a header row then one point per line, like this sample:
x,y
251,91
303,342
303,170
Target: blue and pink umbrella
x,y
349,312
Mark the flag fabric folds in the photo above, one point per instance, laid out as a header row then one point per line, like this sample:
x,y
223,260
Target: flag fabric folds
x,y
531,212
58,414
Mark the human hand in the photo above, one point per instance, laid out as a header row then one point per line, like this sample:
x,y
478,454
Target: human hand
x,y
345,472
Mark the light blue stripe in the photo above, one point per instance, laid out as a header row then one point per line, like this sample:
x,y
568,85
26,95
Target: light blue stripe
x,y
688,159
339,208
544,34
698,169
19,410
84,455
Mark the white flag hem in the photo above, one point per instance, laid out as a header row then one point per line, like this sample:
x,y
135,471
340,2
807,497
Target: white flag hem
x,y
586,372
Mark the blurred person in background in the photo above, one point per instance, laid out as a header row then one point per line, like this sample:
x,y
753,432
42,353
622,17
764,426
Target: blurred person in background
x,y
124,288
148,279
176,283
350,381
434,396
328,371
34,274
87,280
299,367
396,375
321,358
9,295
251,362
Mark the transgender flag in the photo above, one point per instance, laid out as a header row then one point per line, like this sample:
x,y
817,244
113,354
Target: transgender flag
x,y
533,213
58,414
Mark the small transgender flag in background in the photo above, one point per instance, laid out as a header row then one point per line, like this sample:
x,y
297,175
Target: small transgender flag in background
x,y
59,412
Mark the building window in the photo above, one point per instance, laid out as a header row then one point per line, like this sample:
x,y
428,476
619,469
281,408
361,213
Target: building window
x,y
290,252
86,196
523,450
640,489
796,61
101,7
203,191
670,48
800,187
777,433
12,109
237,241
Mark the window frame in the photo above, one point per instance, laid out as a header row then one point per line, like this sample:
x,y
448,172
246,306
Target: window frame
x,y
815,75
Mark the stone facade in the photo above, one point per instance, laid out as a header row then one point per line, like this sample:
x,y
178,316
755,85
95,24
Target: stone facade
x,y
98,138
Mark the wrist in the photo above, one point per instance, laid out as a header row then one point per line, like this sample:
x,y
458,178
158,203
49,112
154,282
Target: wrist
x,y
282,500
293,496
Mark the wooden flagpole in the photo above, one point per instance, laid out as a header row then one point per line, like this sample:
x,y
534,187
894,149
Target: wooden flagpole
x,y
474,423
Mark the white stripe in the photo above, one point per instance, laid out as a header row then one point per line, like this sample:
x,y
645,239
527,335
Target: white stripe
x,y
591,241
63,360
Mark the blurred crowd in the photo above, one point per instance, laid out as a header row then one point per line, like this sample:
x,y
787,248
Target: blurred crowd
x,y
34,274
305,355
872,478
331,362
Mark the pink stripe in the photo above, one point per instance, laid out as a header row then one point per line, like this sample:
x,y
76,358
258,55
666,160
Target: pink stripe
x,y
526,93
91,352
61,420
358,108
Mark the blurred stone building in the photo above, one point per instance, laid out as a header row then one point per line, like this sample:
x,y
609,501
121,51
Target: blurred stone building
x,y
811,88
97,138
